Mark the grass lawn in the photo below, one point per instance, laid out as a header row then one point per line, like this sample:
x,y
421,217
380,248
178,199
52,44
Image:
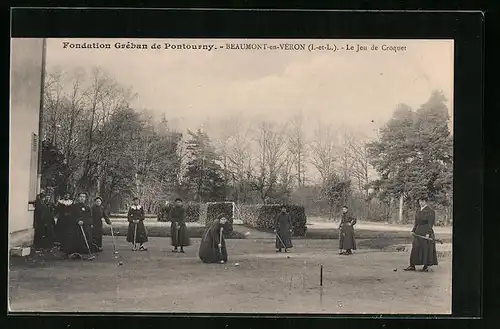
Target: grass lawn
x,y
264,282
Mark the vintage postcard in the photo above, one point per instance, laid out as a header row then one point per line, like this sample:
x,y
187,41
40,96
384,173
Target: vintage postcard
x,y
231,176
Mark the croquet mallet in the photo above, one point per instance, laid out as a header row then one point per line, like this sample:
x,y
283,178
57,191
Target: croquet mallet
x,y
91,257
135,236
113,238
428,239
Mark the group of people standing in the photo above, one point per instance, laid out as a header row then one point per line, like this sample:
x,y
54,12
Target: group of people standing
x,y
78,228
423,250
283,229
213,245
74,226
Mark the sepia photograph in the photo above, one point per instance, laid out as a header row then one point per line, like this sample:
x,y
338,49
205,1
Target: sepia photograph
x,y
310,176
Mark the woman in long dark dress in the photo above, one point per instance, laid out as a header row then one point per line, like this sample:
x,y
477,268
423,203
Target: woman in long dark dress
x,y
213,244
63,215
44,223
76,243
283,229
178,228
347,242
136,230
98,214
423,249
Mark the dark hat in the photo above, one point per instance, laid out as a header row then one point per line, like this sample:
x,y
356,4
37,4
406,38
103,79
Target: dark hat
x,y
135,198
344,206
97,198
83,193
178,199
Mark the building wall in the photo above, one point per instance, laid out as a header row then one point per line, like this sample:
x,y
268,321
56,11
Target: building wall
x,y
25,97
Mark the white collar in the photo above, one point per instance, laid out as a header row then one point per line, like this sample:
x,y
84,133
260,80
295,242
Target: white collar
x,y
66,202
136,207
422,208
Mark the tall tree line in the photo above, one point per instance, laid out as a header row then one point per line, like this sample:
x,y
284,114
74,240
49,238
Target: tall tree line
x,y
95,141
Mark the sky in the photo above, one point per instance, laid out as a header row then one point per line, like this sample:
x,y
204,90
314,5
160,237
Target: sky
x,y
342,88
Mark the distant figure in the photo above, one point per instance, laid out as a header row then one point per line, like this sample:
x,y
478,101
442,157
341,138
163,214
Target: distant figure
x,y
98,214
283,229
178,228
63,214
164,213
78,232
423,249
44,223
213,245
136,230
347,243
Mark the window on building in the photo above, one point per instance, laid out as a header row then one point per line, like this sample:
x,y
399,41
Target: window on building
x,y
33,187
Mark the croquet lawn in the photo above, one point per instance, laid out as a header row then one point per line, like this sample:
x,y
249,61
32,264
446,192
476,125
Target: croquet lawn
x,y
263,281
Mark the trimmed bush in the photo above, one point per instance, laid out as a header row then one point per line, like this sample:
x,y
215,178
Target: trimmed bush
x,y
192,212
215,209
263,217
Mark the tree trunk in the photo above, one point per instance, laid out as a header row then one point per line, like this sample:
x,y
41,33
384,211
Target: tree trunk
x,y
391,217
401,204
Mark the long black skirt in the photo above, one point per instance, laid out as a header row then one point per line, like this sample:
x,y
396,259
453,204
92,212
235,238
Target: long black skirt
x,y
61,228
283,239
209,251
347,240
179,235
74,241
44,237
141,235
423,252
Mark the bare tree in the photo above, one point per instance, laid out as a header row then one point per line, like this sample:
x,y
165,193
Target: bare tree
x,y
272,148
345,159
359,160
240,159
53,103
324,151
286,176
76,107
223,133
297,146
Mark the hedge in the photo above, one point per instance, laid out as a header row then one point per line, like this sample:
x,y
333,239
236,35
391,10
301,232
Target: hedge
x,y
215,209
192,212
263,217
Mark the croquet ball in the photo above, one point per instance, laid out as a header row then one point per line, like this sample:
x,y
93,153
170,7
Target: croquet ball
x,y
287,256
395,270
236,264
120,263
